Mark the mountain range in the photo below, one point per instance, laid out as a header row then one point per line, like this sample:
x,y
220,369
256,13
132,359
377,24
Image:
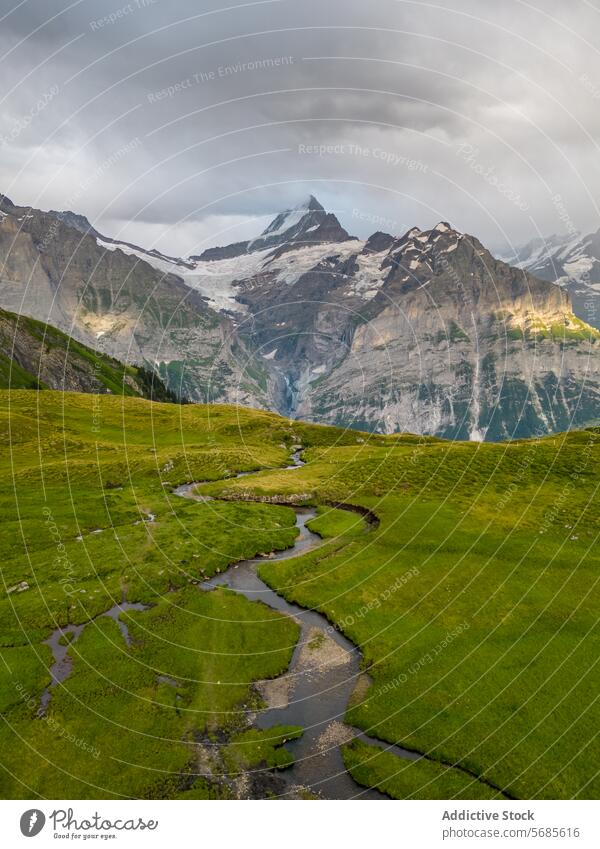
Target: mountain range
x,y
424,332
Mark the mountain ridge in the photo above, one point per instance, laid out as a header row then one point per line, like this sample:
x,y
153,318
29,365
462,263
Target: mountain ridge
x,y
100,290
572,261
34,355
304,224
426,332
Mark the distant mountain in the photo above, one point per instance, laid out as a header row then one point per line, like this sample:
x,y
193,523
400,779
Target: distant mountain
x,y
58,269
34,355
571,261
425,332
305,224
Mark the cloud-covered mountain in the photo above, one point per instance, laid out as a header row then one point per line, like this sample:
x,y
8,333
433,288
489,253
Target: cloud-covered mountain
x,y
304,224
211,114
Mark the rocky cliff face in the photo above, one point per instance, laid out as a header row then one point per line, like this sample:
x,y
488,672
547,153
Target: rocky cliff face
x,y
306,224
34,355
571,261
426,332
105,295
458,344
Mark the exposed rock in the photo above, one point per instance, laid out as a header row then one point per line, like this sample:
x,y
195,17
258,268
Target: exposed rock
x,y
336,734
276,691
18,588
426,332
34,355
307,223
102,293
571,261
320,653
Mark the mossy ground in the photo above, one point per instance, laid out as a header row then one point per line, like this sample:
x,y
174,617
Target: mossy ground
x,y
103,469
260,748
474,600
404,779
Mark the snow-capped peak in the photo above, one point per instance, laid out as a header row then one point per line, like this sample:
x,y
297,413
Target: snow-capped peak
x,y
310,204
290,218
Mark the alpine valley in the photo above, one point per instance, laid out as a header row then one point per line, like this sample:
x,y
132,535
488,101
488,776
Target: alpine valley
x,y
424,332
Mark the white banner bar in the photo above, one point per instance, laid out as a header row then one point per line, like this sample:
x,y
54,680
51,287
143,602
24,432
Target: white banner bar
x,y
297,825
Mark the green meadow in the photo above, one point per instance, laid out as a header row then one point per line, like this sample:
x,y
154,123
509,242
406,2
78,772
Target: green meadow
x,y
474,603
124,722
473,599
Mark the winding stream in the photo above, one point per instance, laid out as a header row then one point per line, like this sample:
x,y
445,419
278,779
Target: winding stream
x,y
315,690
61,639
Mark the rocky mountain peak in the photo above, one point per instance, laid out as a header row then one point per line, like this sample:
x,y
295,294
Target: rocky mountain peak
x,y
288,216
6,203
378,242
307,223
425,332
74,220
289,219
312,203
417,248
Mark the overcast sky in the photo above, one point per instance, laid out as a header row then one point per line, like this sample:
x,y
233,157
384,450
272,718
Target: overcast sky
x,y
179,124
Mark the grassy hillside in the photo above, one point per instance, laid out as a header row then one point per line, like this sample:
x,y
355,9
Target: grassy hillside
x,y
474,600
34,355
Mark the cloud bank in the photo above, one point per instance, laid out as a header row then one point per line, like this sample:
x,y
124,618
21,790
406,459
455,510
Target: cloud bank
x,y
180,125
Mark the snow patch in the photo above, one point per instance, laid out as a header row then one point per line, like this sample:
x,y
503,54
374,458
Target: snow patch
x,y
576,268
297,262
369,278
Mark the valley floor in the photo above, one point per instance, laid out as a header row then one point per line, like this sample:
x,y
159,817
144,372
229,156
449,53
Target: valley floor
x,y
472,598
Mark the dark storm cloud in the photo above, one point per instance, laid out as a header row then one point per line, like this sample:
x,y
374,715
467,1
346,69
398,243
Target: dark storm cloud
x,y
177,123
